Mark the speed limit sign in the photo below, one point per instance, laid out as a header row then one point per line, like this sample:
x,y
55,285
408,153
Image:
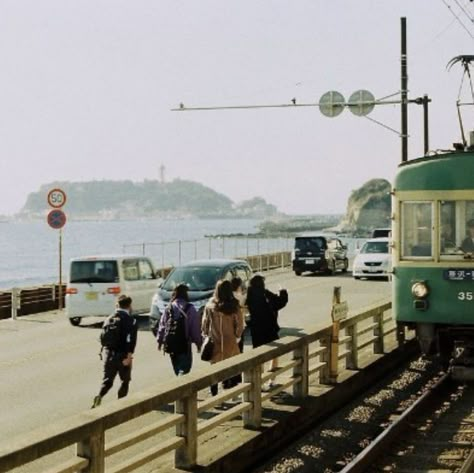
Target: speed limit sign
x,y
56,198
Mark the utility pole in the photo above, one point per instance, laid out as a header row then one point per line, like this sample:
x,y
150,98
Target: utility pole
x,y
404,89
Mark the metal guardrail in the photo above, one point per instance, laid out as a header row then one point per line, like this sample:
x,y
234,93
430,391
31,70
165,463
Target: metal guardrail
x,y
175,252
317,356
17,302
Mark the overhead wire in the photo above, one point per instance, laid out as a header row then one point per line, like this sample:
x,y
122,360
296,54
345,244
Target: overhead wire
x,y
458,19
462,8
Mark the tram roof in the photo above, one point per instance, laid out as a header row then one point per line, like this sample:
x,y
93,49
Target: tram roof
x,y
444,171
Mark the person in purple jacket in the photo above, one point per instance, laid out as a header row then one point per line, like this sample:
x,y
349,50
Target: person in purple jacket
x,y
179,328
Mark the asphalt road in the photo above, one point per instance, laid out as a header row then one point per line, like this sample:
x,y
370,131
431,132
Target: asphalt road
x,y
50,370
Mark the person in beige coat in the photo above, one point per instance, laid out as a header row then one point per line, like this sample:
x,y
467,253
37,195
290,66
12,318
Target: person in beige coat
x,y
223,321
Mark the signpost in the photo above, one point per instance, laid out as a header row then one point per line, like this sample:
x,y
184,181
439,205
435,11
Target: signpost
x,y
57,219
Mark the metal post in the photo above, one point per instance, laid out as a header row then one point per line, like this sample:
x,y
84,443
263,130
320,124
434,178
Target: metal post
x,y
223,247
404,89
60,289
15,302
426,140
179,252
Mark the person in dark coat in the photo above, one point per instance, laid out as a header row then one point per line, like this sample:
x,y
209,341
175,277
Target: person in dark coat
x,y
118,359
263,306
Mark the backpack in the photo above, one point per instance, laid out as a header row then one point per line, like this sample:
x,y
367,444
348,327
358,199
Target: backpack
x,y
175,341
110,333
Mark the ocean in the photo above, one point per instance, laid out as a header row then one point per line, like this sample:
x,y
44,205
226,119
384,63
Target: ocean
x,y
29,251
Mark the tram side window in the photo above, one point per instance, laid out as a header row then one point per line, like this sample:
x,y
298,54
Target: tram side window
x,y
417,229
454,234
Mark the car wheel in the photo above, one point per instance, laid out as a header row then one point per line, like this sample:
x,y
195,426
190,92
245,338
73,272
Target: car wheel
x,y
356,277
298,273
345,266
75,321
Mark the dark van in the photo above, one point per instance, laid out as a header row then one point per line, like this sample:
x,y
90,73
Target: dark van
x,y
319,253
381,233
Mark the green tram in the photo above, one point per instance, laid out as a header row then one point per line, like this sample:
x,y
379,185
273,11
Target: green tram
x,y
433,251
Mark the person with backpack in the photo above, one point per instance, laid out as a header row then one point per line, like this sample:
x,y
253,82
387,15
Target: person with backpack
x,y
179,328
118,339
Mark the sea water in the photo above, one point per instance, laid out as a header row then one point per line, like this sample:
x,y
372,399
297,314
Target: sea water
x,y
29,251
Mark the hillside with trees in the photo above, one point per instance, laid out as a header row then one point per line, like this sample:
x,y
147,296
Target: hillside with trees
x,y
150,198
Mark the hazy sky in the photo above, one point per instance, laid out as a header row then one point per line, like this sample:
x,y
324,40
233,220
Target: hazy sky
x,y
86,88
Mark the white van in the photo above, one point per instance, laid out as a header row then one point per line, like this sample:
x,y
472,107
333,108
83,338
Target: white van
x,y
95,282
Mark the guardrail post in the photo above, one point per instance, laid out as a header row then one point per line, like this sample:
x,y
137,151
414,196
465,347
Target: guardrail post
x,y
379,344
353,361
186,456
325,341
252,418
400,334
334,353
15,302
92,448
300,389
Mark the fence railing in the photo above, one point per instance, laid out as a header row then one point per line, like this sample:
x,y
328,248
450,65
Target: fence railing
x,y
315,357
17,302
31,300
175,252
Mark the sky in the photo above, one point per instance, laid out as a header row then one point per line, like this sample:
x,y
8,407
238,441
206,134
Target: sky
x,y
87,88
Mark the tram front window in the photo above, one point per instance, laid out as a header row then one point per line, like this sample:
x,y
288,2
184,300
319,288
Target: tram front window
x,y
455,219
417,226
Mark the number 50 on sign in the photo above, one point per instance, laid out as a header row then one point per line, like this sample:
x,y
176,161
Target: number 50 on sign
x,y
56,198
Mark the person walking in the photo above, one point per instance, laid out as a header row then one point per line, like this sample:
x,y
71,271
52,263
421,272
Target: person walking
x,y
263,306
119,338
179,328
223,322
238,291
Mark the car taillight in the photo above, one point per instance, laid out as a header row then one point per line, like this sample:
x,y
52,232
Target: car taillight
x,y
71,290
113,290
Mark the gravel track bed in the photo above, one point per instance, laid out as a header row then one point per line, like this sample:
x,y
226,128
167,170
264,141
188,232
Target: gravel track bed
x,y
440,439
337,440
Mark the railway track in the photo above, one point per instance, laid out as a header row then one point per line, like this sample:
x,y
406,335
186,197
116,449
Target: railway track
x,y
436,434
417,420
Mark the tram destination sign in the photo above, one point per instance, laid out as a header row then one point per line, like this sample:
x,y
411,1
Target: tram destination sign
x,y
458,274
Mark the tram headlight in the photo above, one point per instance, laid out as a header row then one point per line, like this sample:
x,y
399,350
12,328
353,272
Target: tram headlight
x,y
420,290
